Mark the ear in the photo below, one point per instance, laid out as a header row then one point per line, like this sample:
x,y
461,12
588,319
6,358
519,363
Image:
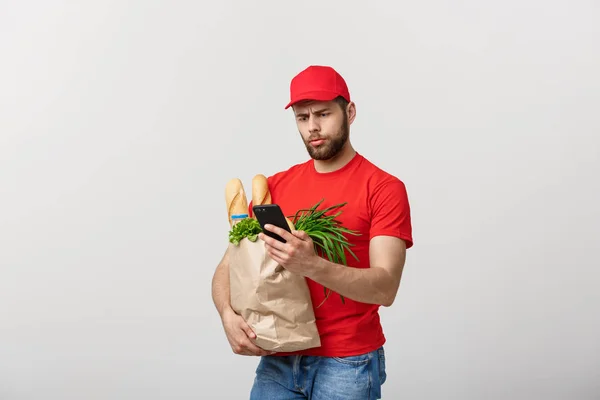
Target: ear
x,y
351,111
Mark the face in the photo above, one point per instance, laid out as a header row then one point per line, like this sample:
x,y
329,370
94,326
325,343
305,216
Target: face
x,y
324,128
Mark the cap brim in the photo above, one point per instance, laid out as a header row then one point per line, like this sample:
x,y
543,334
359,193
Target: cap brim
x,y
317,96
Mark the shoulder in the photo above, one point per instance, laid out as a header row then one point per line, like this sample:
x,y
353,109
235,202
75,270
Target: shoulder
x,y
378,179
385,192
388,205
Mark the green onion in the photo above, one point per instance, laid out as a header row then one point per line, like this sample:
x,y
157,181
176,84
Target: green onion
x,y
327,234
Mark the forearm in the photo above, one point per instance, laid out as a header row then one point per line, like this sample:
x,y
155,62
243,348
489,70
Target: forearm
x,y
220,288
367,285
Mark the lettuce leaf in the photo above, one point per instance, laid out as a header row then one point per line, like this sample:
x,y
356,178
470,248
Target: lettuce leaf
x,y
247,228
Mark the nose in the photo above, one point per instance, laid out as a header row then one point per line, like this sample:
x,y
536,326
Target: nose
x,y
313,125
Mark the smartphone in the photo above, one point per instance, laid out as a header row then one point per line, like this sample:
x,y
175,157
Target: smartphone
x,y
271,214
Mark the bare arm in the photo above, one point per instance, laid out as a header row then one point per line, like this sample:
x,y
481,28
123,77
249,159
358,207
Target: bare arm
x,y
376,285
220,285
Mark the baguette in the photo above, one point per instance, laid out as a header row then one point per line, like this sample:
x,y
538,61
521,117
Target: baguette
x,y
260,190
235,199
262,195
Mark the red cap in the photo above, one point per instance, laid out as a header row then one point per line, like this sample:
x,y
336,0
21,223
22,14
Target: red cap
x,y
319,83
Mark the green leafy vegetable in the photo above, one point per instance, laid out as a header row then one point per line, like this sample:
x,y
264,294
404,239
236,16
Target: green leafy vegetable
x,y
247,228
327,234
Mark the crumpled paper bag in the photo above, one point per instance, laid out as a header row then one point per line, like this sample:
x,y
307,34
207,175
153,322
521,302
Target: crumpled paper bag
x,y
274,302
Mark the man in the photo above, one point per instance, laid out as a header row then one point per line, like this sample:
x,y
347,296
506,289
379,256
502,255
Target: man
x,y
350,363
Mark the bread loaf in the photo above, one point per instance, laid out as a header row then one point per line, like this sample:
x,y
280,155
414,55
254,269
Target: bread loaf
x,y
260,191
262,195
235,198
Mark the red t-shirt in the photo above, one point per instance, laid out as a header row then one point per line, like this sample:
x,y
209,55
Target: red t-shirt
x,y
377,204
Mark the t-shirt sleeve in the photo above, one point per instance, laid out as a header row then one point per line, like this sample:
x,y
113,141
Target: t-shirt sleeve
x,y
390,211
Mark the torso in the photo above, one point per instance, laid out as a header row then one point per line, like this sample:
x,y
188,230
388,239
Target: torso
x,y
351,327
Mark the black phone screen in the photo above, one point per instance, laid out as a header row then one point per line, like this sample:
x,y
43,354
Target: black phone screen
x,y
271,214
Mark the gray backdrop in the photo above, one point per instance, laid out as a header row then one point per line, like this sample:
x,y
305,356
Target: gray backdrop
x,y
121,122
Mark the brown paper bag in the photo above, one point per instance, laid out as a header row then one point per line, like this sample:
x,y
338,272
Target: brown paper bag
x,y
274,302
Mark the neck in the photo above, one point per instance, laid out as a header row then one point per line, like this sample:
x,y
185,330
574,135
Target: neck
x,y
338,161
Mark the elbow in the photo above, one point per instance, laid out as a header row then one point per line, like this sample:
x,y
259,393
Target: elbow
x,y
388,299
388,296
387,303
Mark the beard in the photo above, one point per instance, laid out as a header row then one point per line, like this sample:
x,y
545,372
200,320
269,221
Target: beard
x,y
331,147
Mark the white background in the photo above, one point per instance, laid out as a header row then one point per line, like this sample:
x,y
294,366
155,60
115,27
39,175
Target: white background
x,y
121,122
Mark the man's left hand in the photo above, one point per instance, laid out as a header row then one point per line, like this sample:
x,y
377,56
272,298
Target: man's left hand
x,y
297,255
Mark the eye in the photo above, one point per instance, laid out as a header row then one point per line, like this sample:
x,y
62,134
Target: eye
x,y
324,114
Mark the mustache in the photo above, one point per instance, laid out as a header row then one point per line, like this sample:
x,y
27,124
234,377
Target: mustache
x,y
311,138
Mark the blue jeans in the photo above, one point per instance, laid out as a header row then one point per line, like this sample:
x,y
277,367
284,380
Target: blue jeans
x,y
320,378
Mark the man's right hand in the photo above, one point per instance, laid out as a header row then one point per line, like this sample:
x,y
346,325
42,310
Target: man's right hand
x,y
239,335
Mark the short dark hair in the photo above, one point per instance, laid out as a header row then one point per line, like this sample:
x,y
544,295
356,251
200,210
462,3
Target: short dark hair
x,y
343,103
